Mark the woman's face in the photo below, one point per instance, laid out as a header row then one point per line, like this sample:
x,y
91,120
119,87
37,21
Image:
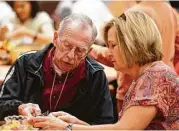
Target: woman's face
x,y
115,50
23,10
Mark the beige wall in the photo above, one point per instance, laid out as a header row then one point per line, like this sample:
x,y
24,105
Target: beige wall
x,y
118,7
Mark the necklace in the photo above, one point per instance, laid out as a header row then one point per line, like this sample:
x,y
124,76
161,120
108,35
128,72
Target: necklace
x,y
53,84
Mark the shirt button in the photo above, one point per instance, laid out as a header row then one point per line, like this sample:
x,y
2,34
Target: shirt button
x,y
54,97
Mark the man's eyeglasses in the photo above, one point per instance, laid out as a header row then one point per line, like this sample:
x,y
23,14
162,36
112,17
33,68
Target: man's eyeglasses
x,y
68,47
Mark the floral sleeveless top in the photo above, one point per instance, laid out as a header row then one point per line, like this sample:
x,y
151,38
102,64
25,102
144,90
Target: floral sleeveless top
x,y
157,86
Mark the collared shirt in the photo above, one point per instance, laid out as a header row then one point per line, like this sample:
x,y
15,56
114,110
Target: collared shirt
x,y
69,90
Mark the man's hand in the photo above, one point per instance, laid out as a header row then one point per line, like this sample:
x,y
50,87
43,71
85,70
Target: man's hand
x,y
101,54
29,109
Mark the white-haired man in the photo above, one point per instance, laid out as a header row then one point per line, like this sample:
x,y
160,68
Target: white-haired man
x,y
60,77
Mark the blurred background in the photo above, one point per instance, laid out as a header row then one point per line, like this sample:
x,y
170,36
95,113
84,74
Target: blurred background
x,y
22,21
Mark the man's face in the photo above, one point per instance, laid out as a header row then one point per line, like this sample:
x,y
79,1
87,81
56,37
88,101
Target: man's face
x,y
71,47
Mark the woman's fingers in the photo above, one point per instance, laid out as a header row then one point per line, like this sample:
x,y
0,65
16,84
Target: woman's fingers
x,y
55,114
34,120
47,122
65,118
68,118
41,124
49,128
59,113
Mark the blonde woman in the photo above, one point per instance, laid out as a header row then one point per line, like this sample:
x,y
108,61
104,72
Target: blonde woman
x,y
152,100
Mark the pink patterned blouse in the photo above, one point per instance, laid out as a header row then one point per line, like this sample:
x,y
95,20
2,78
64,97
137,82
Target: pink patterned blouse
x,y
157,86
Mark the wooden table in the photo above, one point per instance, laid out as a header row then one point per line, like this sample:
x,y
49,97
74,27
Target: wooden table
x,y
17,51
2,122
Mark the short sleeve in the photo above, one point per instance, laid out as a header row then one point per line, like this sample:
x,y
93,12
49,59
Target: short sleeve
x,y
144,92
156,90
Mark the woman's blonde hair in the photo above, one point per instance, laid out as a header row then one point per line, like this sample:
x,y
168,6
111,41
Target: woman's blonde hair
x,y
138,37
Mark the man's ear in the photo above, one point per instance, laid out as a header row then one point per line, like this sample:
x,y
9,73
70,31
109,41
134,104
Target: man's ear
x,y
55,38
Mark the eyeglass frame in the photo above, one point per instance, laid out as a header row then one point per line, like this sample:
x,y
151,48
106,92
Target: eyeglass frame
x,y
68,50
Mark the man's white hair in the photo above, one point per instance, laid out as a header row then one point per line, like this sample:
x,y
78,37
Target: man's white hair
x,y
81,19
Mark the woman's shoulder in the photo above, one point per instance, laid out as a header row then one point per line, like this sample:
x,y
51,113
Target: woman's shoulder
x,y
43,14
157,78
160,68
158,74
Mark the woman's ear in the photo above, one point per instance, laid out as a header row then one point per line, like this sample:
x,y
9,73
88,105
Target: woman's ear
x,y
55,38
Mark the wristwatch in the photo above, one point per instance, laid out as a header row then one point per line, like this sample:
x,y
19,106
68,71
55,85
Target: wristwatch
x,y
69,127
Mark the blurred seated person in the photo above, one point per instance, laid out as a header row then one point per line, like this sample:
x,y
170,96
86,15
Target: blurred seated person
x,y
5,17
151,103
60,77
30,25
95,9
63,9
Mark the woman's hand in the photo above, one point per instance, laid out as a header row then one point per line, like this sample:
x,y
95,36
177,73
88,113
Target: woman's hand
x,y
64,116
48,123
67,118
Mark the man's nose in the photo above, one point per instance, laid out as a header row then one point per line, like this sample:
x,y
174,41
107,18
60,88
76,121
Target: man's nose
x,y
71,53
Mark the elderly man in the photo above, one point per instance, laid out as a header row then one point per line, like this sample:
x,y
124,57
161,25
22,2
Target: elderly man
x,y
60,77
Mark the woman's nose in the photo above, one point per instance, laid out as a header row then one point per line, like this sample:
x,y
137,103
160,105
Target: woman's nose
x,y
110,55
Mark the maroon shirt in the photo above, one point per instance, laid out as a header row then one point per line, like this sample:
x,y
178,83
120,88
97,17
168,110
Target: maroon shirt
x,y
69,88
